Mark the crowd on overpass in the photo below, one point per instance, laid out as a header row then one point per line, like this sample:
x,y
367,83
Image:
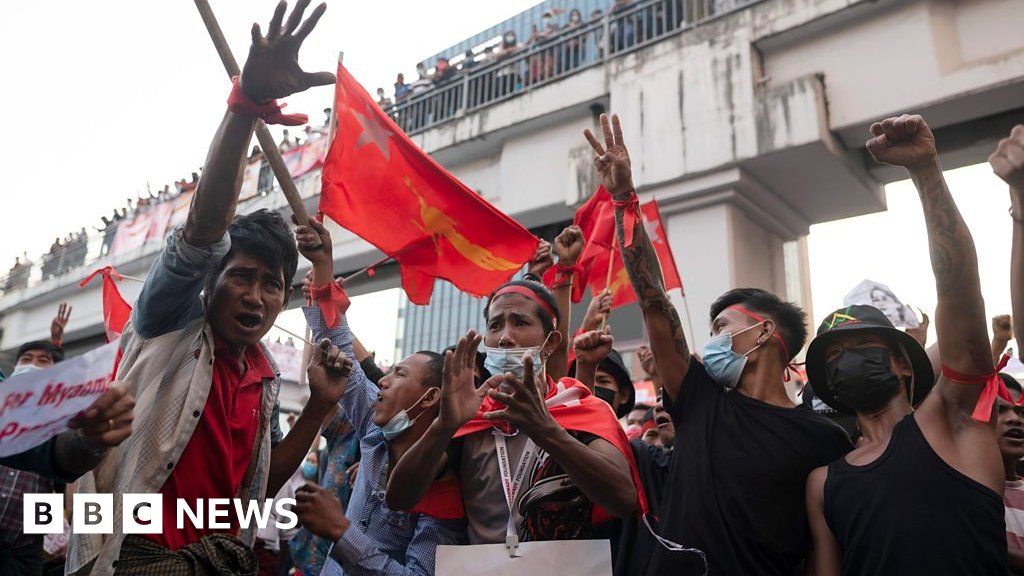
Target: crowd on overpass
x,y
563,41
527,436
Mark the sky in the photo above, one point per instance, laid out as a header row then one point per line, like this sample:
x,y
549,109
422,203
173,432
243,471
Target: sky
x,y
109,98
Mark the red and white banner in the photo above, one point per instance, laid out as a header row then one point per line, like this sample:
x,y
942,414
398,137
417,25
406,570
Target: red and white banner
x,y
179,210
302,159
250,181
150,224
36,406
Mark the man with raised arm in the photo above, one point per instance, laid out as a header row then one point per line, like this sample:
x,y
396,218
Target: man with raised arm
x,y
743,448
206,389
564,442
936,470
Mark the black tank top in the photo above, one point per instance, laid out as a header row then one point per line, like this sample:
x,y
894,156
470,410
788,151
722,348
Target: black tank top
x,y
909,513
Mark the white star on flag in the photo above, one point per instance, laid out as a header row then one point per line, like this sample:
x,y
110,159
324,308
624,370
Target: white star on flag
x,y
373,133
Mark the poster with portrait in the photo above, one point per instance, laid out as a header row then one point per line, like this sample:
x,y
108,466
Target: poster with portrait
x,y
882,297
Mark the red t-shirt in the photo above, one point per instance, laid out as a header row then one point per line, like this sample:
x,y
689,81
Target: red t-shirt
x,y
217,456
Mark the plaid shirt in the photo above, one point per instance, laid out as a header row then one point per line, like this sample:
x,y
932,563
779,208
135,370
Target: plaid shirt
x,y
379,541
13,485
167,365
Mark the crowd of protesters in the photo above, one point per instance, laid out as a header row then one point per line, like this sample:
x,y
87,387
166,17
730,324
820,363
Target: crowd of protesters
x,y
551,50
522,433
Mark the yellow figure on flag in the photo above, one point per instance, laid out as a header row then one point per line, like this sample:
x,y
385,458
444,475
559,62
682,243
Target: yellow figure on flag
x,y
620,281
437,223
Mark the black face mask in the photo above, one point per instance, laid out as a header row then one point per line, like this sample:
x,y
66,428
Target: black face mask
x,y
606,394
861,378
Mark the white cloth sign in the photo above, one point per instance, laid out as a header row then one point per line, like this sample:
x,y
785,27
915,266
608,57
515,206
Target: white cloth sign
x,y
879,295
35,406
561,557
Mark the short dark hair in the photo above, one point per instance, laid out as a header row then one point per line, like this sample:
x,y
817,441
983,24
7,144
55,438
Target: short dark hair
x,y
1011,382
790,318
56,352
266,236
537,288
435,368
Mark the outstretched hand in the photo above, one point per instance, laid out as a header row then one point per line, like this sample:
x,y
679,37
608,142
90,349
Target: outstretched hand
x,y
524,406
905,141
272,69
612,160
460,398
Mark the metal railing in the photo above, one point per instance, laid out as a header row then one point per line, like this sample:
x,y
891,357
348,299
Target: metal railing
x,y
546,60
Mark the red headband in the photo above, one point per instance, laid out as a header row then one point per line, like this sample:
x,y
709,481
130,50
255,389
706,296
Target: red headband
x,y
524,291
741,310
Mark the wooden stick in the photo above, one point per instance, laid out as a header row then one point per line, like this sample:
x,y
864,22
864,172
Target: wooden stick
x,y
294,335
266,139
358,273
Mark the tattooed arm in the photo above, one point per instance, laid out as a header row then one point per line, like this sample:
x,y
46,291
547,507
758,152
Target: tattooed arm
x,y
671,353
960,313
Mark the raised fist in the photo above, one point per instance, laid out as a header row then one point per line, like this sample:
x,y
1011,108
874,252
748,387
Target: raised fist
x,y
905,141
1008,159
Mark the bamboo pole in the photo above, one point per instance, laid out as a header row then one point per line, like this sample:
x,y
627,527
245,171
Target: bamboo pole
x,y
266,139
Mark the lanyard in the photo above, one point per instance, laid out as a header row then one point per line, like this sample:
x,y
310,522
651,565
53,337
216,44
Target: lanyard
x,y
511,483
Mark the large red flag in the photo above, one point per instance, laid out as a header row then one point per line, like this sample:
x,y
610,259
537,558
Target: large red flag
x,y
115,309
381,186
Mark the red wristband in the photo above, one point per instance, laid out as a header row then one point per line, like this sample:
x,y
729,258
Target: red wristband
x,y
994,388
630,216
563,276
240,103
333,302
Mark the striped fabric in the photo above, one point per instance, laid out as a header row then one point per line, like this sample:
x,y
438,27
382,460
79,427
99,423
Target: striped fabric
x,y
379,541
1013,499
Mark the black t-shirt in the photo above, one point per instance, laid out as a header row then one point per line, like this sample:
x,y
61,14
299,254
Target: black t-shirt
x,y
737,478
632,544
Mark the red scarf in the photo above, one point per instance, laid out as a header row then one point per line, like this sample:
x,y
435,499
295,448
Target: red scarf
x,y
575,409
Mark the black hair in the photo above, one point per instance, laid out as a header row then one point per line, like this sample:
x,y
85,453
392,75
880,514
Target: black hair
x,y
266,236
537,288
56,352
435,368
645,407
1011,382
789,318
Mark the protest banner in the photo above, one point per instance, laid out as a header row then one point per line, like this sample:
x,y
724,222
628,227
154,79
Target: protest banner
x,y
35,406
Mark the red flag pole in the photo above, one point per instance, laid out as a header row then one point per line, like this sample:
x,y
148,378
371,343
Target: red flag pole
x,y
266,139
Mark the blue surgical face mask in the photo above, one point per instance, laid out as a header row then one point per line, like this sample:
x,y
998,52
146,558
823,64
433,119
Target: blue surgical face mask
x,y
501,360
23,368
722,364
309,470
401,422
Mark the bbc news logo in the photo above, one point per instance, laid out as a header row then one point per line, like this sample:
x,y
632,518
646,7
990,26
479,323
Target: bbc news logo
x,y
144,513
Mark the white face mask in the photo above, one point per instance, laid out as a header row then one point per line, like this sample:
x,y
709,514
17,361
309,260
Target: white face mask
x,y
23,368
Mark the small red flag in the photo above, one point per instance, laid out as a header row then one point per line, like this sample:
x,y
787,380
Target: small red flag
x,y
381,186
115,309
601,249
